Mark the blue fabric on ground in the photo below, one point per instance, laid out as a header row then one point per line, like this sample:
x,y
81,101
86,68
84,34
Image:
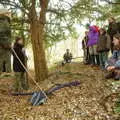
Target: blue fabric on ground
x,y
75,83
39,98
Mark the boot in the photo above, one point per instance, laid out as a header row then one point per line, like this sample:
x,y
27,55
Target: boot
x,y
92,59
110,75
97,60
117,75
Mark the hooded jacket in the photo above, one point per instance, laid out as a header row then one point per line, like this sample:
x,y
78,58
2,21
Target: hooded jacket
x,y
93,35
104,43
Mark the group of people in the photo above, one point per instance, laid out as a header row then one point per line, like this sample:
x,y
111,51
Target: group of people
x,y
98,43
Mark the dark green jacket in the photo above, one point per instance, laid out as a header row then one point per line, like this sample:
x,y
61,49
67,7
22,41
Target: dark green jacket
x,y
113,28
104,43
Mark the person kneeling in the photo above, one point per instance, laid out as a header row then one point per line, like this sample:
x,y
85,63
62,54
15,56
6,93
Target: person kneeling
x,y
113,64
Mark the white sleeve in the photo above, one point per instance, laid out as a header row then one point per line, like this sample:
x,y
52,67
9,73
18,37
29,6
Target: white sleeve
x,y
24,52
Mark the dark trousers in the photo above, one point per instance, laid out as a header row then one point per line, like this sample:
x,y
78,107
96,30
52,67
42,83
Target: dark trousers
x,y
94,59
103,57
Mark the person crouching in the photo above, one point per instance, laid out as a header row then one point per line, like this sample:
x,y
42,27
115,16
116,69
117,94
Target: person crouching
x,y
113,64
67,56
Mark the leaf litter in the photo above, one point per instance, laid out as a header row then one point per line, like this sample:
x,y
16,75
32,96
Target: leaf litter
x,y
92,100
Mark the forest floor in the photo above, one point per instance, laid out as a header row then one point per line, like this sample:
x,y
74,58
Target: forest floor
x,y
94,99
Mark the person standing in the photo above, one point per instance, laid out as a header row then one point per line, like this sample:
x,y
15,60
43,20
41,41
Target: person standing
x,y
93,37
103,47
113,29
86,49
20,74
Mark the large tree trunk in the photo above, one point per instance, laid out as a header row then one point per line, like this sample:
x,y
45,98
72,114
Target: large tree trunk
x,y
37,36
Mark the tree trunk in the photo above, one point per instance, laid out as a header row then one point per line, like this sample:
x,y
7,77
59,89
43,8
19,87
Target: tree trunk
x,y
38,37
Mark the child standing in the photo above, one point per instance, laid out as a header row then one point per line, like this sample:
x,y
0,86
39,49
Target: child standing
x,y
93,37
103,47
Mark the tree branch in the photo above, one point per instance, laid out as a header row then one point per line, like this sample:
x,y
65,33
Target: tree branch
x,y
12,4
15,28
109,2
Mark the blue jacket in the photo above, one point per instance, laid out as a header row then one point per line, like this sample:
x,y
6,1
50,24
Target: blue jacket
x,y
114,60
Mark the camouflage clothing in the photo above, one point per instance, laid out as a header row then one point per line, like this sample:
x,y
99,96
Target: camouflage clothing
x,y
5,42
20,73
67,57
5,60
20,82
